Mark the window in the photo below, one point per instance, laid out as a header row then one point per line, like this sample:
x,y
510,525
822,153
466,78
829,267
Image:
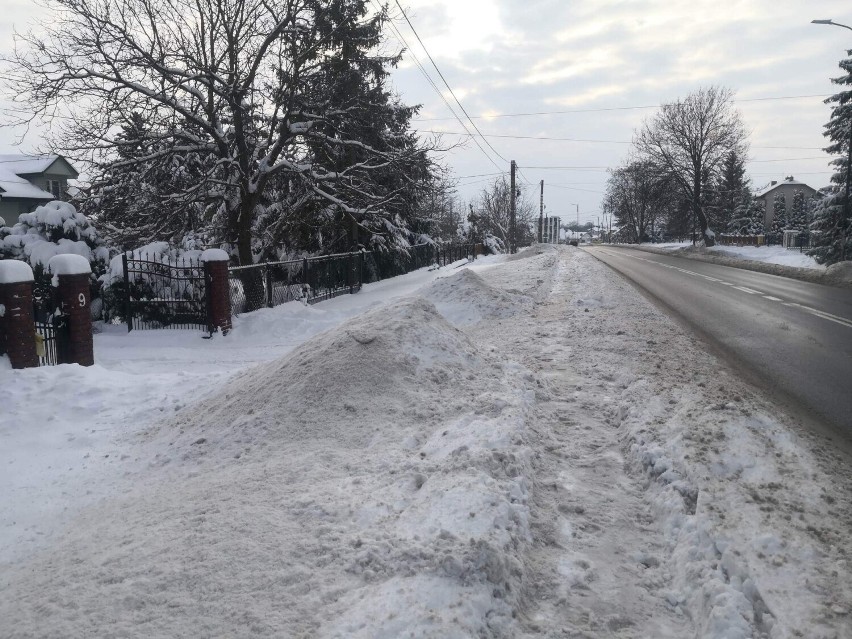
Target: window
x,y
55,187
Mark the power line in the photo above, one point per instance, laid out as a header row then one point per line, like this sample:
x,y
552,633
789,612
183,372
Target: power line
x,y
824,157
441,75
434,86
573,188
627,108
547,138
462,177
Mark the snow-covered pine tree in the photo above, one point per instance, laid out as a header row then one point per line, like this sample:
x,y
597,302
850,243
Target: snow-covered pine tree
x,y
149,191
748,216
831,229
731,190
798,218
779,213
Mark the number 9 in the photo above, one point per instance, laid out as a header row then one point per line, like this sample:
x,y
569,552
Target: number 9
x,y
82,299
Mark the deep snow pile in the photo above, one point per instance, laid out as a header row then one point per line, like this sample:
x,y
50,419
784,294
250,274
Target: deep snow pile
x,y
371,482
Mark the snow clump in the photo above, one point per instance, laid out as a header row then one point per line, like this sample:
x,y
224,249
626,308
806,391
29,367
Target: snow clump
x,y
465,298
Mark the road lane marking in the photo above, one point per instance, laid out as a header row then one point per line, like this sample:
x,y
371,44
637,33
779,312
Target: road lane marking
x,y
750,291
828,316
813,311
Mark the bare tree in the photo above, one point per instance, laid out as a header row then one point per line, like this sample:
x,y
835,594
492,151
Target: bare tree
x,y
637,194
286,96
691,137
493,212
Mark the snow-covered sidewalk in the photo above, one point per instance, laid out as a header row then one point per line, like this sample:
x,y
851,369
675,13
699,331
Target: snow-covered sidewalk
x,y
524,447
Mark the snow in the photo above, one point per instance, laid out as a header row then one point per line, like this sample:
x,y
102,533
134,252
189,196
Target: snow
x,y
214,255
68,265
14,271
768,254
55,216
523,447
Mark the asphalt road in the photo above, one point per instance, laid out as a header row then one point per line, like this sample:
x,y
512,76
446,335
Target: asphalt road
x,y
793,337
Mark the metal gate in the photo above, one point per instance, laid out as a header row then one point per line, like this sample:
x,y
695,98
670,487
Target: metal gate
x,y
51,333
164,293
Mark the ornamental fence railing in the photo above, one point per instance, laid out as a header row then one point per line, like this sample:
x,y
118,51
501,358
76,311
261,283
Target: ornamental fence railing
x,y
160,292
314,279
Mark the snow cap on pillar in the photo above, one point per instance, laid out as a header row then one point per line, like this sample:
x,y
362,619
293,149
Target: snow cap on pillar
x,y
214,255
69,265
15,272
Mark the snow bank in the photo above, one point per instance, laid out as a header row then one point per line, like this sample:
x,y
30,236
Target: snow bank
x,y
345,490
839,273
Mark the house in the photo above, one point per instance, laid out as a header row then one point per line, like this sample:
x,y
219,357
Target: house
x,y
787,187
26,181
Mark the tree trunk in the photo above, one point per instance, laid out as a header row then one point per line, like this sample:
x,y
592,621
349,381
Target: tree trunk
x,y
699,213
252,279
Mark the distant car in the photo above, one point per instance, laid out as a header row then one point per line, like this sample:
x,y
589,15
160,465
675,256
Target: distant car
x,y
572,242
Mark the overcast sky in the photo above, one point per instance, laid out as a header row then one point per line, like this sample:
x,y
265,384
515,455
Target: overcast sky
x,y
606,62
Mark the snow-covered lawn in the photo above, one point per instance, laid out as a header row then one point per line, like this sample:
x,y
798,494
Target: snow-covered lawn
x,y
523,447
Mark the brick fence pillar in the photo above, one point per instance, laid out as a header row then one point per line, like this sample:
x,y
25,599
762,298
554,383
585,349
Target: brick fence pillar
x,y
218,290
17,324
71,274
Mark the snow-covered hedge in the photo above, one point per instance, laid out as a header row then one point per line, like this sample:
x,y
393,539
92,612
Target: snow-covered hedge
x,y
55,228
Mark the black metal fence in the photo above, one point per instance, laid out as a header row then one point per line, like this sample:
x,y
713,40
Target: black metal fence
x,y
160,292
311,279
314,279
51,332
802,241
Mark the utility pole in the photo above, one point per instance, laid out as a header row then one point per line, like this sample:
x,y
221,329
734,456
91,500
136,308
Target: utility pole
x,y
512,247
541,214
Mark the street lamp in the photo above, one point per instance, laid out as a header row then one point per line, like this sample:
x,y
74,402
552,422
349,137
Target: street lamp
x,y
847,205
829,21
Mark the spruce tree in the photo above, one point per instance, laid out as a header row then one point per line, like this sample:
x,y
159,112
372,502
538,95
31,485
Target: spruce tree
x,y
779,213
748,217
831,236
732,191
798,219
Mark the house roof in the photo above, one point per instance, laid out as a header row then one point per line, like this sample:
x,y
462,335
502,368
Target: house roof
x,y
789,181
13,186
12,167
21,164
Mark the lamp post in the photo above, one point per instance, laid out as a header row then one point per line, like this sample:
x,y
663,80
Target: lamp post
x,y
847,205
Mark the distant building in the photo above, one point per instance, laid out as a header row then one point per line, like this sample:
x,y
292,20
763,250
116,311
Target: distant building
x,y
26,181
788,187
550,230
